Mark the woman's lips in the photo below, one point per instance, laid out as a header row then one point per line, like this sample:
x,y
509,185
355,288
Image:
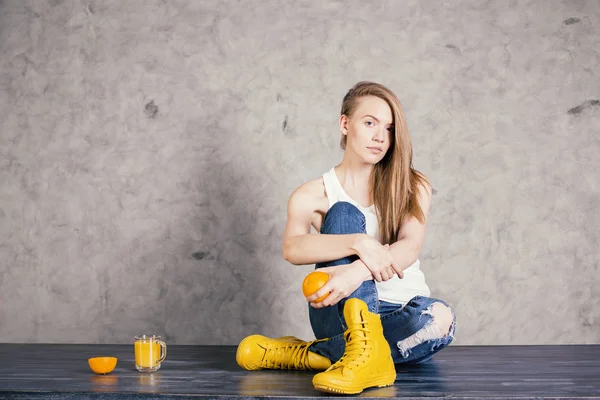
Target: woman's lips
x,y
375,149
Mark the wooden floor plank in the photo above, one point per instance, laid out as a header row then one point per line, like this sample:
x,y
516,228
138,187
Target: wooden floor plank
x,y
60,371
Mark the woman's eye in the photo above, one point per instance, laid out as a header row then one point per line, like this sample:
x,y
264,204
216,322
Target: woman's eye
x,y
369,122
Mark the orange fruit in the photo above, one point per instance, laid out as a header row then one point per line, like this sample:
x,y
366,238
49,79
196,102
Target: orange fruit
x,y
313,282
102,365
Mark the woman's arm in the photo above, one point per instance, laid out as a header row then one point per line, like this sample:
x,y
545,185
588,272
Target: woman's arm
x,y
411,236
302,247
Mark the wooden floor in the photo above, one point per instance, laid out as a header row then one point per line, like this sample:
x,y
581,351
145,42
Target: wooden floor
x,y
458,372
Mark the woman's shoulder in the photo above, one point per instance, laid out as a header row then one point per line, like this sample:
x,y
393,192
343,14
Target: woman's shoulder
x,y
310,196
311,190
309,203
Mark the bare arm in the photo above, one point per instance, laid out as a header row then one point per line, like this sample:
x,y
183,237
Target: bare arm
x,y
411,236
302,247
315,248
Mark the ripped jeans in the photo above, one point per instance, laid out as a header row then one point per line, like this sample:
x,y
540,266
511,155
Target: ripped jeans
x,y
408,328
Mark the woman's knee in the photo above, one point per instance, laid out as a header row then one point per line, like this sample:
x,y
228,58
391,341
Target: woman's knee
x,y
443,316
438,330
344,218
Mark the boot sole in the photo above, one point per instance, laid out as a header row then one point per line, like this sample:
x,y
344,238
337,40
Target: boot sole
x,y
383,381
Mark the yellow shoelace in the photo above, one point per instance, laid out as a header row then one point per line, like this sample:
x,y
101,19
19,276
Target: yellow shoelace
x,y
293,356
356,346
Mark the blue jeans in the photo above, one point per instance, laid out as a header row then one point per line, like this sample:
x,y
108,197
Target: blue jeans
x,y
399,321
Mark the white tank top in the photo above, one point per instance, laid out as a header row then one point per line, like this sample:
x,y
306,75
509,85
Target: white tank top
x,y
395,290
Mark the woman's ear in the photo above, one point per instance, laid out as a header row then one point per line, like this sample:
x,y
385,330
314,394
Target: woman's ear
x,y
343,124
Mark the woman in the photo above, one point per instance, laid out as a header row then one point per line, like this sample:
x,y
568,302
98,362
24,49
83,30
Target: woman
x,y
371,211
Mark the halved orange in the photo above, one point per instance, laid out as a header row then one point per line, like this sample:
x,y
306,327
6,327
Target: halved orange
x,y
102,365
313,282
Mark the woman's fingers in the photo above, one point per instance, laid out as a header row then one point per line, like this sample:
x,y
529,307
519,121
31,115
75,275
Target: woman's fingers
x,y
385,274
391,272
331,300
398,270
319,293
334,296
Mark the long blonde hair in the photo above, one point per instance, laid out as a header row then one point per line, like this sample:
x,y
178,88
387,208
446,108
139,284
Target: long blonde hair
x,y
394,183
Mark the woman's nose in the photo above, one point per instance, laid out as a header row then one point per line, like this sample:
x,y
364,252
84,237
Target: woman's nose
x,y
379,135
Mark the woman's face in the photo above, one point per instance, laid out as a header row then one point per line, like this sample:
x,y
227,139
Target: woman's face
x,y
369,129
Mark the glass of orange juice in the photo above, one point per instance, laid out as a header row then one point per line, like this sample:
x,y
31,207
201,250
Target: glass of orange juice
x,y
150,351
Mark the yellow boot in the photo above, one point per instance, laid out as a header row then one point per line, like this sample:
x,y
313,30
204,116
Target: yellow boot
x,y
367,361
288,352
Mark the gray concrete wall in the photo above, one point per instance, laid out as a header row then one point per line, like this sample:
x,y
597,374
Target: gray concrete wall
x,y
148,149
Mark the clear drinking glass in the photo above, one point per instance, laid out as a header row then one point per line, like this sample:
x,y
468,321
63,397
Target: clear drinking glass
x,y
150,351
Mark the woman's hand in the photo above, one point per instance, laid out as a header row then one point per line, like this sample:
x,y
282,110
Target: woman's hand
x,y
343,281
376,257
